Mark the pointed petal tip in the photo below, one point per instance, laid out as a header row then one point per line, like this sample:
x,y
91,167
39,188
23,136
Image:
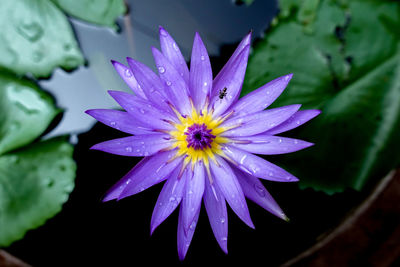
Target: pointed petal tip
x,y
288,77
162,31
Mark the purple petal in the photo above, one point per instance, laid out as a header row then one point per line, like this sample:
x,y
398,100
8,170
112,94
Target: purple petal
x,y
177,90
150,83
194,190
171,51
245,42
254,190
200,77
169,198
269,145
142,110
127,75
261,98
135,146
259,122
155,170
257,166
230,188
119,120
215,205
297,119
185,236
231,81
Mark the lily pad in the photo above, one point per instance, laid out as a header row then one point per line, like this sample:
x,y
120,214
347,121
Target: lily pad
x,y
102,12
25,112
36,37
345,57
35,179
34,183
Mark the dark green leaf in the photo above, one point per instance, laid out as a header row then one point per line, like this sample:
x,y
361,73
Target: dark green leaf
x,y
102,12
36,37
25,112
34,183
346,62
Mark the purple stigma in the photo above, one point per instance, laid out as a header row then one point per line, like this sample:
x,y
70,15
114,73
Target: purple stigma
x,y
199,136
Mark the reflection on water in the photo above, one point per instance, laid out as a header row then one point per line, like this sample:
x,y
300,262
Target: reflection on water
x,y
218,22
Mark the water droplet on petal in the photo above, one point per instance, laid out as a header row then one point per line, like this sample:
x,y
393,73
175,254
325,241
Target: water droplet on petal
x,y
174,45
146,153
280,140
128,73
205,84
260,190
128,149
142,111
222,220
161,69
224,239
202,58
113,123
168,83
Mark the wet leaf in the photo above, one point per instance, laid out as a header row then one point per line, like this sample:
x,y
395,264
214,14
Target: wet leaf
x,y
25,112
34,183
346,61
102,12
36,37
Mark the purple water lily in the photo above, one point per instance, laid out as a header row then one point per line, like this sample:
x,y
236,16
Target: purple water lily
x,y
197,135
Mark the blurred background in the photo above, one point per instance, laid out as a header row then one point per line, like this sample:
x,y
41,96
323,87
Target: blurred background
x,y
55,64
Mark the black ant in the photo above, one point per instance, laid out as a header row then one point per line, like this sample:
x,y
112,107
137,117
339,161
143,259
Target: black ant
x,y
222,93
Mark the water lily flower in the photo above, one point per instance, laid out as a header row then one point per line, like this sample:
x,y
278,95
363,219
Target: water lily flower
x,y
198,136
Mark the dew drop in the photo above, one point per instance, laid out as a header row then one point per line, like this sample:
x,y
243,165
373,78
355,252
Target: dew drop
x,y
168,83
128,149
202,58
31,31
37,56
175,46
113,123
280,140
260,190
224,239
298,122
146,153
128,73
222,220
163,32
205,84
161,69
296,141
142,111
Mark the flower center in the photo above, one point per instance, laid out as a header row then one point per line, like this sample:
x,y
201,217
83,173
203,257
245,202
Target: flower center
x,y
199,136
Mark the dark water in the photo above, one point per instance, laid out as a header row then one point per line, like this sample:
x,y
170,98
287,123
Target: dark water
x,y
90,233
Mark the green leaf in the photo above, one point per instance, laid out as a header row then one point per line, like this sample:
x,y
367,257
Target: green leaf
x,y
346,62
25,112
34,183
36,37
102,12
